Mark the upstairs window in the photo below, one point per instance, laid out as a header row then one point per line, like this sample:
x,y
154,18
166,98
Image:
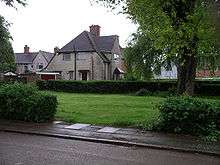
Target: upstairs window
x,y
40,66
116,56
66,57
26,68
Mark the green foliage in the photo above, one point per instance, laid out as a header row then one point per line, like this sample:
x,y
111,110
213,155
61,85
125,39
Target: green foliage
x,y
189,115
143,92
26,103
183,30
141,57
12,3
104,86
202,87
7,60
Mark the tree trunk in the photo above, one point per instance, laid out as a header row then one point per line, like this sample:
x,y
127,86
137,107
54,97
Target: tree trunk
x,y
186,74
187,69
191,75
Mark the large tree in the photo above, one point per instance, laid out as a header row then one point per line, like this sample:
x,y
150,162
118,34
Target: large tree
x,y
182,29
6,52
141,57
7,59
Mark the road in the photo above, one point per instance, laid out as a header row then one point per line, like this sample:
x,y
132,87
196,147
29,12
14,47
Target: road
x,y
19,149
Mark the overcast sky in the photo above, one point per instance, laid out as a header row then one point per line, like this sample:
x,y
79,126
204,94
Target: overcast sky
x,y
44,24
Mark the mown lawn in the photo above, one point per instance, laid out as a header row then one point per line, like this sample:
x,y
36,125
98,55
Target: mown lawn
x,y
109,109
112,110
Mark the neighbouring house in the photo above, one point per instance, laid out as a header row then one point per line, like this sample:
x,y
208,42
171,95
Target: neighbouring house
x,y
167,72
206,73
171,73
32,61
48,76
89,56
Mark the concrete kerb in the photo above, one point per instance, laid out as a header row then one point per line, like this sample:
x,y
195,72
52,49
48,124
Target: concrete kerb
x,y
114,142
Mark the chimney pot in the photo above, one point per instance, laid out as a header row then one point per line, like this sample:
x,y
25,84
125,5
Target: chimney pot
x,y
26,49
95,30
56,50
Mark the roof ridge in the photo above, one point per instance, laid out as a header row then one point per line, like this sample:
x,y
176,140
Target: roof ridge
x,y
115,35
74,38
45,51
28,53
104,58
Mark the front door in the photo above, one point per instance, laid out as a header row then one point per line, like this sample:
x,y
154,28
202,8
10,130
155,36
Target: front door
x,y
84,76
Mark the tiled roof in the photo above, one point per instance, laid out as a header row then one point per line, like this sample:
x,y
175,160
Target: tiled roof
x,y
23,58
47,55
106,43
87,42
28,58
80,43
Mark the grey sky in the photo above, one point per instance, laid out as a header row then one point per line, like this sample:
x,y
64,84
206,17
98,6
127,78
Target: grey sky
x,y
44,24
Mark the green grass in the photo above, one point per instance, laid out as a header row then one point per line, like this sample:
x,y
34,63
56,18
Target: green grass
x,y
111,110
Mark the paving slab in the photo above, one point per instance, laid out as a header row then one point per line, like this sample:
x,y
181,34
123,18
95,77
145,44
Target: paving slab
x,y
77,126
121,136
108,130
57,122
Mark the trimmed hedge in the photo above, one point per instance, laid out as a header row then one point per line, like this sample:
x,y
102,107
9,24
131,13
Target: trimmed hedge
x,y
202,87
103,86
189,115
26,103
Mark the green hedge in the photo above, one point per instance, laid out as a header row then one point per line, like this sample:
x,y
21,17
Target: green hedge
x,y
103,86
189,115
202,87
26,103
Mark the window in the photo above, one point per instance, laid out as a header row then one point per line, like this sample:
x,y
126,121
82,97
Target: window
x,y
71,75
40,66
66,57
81,56
116,56
25,68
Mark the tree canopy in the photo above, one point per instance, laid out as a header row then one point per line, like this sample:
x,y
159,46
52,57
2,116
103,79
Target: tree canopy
x,y
183,30
6,51
12,3
7,58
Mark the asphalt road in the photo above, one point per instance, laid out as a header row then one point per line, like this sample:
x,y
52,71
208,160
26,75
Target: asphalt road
x,y
18,149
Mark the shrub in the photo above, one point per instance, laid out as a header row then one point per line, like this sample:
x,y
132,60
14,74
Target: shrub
x,y
126,86
189,115
104,86
143,92
26,103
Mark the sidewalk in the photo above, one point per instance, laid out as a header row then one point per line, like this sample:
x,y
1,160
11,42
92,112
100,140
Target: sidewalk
x,y
117,136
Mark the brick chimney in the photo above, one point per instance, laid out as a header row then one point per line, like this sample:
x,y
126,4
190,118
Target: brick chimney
x,y
56,50
26,49
95,30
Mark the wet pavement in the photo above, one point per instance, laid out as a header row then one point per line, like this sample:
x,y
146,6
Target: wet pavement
x,y
23,149
120,136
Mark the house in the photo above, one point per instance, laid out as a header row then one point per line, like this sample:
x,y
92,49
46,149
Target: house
x,y
89,56
167,72
171,73
32,61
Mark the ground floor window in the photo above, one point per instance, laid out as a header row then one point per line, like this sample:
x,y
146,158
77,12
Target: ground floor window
x,y
71,75
84,75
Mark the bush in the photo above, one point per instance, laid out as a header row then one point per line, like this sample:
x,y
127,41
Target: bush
x,y
26,103
143,92
126,86
189,115
104,86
